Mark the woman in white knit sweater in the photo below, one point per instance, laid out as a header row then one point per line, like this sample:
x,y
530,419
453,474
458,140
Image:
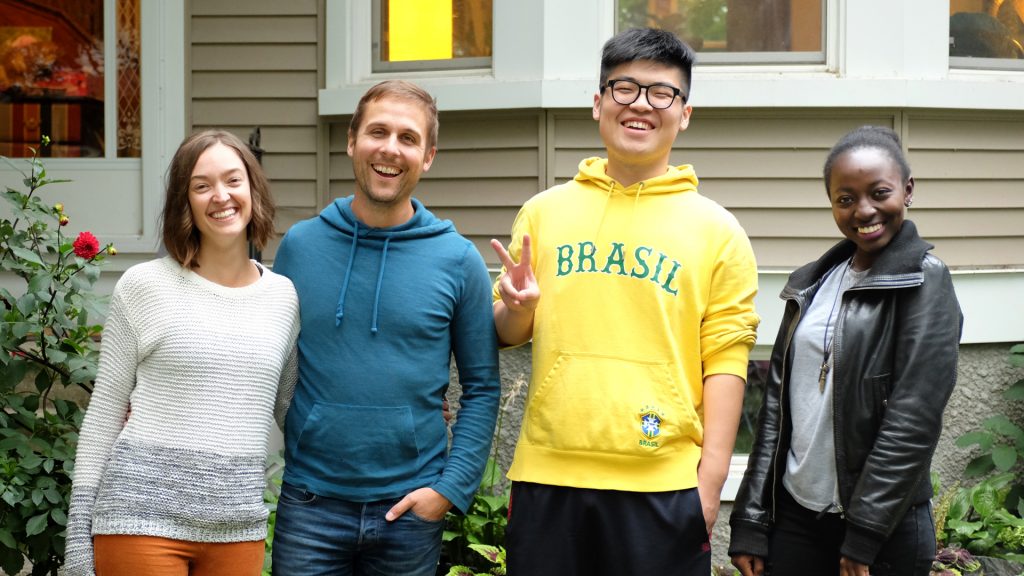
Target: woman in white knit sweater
x,y
201,345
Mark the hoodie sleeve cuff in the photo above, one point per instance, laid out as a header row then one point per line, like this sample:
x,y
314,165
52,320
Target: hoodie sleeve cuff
x,y
732,360
458,499
861,545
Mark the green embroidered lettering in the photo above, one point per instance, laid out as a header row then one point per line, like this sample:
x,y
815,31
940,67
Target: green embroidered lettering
x,y
657,269
671,276
564,259
616,258
641,262
587,251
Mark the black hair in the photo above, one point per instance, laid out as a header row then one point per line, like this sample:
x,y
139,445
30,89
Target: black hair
x,y
652,44
876,137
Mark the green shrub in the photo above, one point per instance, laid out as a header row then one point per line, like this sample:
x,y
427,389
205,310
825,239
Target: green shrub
x,y
48,340
987,518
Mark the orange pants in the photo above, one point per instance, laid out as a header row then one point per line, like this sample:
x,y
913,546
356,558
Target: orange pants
x,y
122,555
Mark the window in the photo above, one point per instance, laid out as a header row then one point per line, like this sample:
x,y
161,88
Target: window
x,y
753,396
431,34
986,34
54,78
736,31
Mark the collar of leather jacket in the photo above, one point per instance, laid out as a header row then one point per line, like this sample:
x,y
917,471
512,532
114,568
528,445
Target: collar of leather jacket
x,y
902,256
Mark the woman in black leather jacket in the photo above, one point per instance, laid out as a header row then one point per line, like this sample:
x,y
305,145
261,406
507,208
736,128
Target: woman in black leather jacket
x,y
865,360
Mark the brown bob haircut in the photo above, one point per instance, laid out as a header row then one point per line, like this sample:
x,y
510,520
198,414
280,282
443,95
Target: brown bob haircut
x,y
399,90
180,235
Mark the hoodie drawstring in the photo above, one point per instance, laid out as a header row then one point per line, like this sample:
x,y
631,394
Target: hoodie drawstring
x,y
604,211
380,281
340,312
636,201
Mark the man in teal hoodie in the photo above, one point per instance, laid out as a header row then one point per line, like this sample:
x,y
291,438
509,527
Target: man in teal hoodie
x,y
388,294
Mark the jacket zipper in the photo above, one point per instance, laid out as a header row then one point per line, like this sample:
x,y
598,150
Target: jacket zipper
x,y
782,403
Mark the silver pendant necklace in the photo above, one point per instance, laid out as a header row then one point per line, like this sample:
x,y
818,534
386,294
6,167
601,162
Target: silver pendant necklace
x,y
826,341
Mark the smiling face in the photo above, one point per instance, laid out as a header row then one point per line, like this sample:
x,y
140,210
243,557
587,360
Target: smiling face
x,y
389,153
869,200
219,197
638,137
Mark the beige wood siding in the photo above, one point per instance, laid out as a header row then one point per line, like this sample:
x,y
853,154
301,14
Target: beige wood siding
x,y
969,199
260,63
486,166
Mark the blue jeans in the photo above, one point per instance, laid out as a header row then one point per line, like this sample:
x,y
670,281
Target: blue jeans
x,y
321,536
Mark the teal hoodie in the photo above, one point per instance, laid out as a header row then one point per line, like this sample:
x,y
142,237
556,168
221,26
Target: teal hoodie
x,y
383,311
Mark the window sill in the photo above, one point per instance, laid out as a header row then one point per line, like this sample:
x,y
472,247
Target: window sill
x,y
718,88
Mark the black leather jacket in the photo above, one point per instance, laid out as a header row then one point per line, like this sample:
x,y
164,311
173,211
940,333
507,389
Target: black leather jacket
x,y
896,343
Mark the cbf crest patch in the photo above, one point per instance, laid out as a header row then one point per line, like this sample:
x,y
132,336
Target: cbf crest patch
x,y
650,426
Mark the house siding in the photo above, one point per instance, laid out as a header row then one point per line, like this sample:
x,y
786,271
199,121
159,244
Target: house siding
x,y
260,63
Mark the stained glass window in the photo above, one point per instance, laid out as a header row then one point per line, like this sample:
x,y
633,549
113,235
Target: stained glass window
x,y
53,82
433,34
736,31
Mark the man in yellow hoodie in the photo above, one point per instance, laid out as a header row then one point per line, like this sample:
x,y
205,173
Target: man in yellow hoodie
x,y
638,295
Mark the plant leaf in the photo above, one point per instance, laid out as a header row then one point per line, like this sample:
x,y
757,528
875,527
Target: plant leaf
x,y
36,524
1004,457
1017,355
59,516
27,255
985,500
1000,424
981,438
979,466
1015,392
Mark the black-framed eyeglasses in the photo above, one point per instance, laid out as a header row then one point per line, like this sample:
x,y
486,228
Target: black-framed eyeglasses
x,y
659,96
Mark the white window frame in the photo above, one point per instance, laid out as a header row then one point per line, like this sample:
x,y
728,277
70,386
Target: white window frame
x,y
879,54
382,66
804,57
119,199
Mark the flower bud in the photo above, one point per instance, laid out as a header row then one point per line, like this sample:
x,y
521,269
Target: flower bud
x,y
111,250
59,207
64,220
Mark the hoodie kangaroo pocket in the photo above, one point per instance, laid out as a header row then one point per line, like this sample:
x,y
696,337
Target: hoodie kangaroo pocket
x,y
607,404
359,445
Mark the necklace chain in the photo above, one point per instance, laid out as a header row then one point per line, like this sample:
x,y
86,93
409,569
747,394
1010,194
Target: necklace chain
x,y
826,341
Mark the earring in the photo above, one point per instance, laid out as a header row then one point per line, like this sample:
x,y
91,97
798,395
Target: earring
x,y
908,203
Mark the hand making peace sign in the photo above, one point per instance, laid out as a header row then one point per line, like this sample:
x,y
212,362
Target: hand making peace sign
x,y
518,287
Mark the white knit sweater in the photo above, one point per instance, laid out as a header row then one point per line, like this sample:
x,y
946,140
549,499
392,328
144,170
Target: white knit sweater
x,y
205,369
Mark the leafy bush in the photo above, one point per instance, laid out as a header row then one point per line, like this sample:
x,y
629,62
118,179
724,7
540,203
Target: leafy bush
x,y
474,543
976,518
493,554
987,518
474,540
274,474
47,343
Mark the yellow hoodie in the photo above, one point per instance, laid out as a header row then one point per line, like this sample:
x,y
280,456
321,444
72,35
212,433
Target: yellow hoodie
x,y
644,291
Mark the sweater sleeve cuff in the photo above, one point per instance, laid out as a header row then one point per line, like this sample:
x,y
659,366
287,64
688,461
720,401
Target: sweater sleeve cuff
x,y
861,545
748,538
459,500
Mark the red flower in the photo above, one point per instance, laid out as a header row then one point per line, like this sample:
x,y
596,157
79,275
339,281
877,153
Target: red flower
x,y
86,245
